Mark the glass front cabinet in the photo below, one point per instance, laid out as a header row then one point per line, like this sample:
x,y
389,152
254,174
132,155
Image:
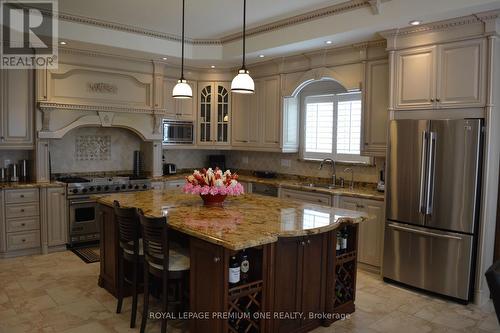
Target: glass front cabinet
x,y
214,112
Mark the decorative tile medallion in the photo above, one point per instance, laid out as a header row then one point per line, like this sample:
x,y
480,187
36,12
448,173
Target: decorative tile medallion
x,y
93,148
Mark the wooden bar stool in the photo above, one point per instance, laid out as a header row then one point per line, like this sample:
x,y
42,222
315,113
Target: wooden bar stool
x,y
158,254
129,237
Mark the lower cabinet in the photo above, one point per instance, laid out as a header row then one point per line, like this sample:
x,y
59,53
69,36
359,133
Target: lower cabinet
x,y
299,280
207,281
57,216
174,184
157,185
371,232
305,196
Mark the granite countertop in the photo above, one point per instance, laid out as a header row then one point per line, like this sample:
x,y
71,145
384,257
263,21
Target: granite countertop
x,y
363,191
245,221
21,185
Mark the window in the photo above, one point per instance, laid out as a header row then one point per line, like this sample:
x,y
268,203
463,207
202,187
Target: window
x,y
332,127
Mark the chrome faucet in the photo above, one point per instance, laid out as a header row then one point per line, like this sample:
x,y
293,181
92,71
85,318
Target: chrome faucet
x,y
334,175
351,185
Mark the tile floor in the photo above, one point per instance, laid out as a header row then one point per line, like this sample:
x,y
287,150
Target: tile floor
x,y
59,293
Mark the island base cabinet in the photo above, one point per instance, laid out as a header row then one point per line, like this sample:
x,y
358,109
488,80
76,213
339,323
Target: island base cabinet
x,y
208,283
299,281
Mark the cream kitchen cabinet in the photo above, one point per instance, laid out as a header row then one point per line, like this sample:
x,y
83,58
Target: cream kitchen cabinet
x,y
56,216
174,184
178,109
449,75
306,196
263,121
214,113
16,109
157,185
375,108
371,232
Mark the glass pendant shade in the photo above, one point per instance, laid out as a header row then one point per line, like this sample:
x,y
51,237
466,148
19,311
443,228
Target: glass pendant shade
x,y
243,83
182,90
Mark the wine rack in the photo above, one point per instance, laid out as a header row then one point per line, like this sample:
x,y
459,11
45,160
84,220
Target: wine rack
x,y
244,301
345,278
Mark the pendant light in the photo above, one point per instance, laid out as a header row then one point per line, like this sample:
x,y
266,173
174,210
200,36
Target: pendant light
x,y
182,89
243,82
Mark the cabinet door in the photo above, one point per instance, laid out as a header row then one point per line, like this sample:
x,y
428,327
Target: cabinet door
x,y
186,107
288,282
222,117
17,108
415,78
2,225
305,196
168,101
57,219
241,115
349,203
371,233
313,277
375,108
462,74
206,284
270,112
205,105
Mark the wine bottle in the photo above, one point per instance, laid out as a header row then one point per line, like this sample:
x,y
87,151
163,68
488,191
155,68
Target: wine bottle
x,y
339,241
234,271
244,266
345,235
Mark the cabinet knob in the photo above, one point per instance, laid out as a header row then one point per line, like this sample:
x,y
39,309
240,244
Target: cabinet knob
x,y
216,259
22,210
24,240
23,224
2,138
438,100
22,195
308,241
302,243
432,100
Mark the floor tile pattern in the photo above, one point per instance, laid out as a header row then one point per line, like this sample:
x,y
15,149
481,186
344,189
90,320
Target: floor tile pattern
x,y
59,293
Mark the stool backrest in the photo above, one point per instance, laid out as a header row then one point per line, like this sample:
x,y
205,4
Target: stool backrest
x,y
129,230
155,239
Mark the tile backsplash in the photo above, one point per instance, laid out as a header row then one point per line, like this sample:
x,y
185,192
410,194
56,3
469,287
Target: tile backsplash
x,y
278,162
94,149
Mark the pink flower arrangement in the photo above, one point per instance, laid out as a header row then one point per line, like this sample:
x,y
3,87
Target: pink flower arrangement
x,y
213,182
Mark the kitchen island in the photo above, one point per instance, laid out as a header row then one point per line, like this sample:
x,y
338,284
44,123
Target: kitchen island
x,y
297,282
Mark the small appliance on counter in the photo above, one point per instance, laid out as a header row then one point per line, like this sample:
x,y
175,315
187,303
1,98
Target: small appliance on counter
x,y
169,169
138,163
13,172
4,177
217,161
381,182
24,170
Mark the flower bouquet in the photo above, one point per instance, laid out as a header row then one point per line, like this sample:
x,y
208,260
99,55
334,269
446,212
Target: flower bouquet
x,y
213,185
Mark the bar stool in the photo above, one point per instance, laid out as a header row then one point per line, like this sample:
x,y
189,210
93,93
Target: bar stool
x,y
158,254
129,237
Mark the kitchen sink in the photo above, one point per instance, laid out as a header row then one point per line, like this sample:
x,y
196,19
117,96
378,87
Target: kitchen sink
x,y
320,185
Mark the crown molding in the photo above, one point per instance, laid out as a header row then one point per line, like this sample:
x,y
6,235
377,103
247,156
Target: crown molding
x,y
82,107
337,9
442,25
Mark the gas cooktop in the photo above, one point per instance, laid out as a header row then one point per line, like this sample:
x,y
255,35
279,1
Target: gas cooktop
x,y
88,185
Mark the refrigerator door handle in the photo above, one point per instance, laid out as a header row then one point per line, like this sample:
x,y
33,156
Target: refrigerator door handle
x,y
421,232
430,174
422,208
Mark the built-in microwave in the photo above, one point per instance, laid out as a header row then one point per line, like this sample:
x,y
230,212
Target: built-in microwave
x,y
178,132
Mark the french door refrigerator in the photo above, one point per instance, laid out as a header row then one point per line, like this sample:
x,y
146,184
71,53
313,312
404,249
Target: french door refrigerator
x,y
432,208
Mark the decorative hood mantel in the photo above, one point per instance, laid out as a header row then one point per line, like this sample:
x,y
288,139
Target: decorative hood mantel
x,y
89,89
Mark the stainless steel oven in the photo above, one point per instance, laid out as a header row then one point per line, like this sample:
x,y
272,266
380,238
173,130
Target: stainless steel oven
x,y
178,132
83,220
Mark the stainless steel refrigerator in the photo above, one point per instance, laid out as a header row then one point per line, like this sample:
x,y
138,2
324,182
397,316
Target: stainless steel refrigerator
x,y
432,208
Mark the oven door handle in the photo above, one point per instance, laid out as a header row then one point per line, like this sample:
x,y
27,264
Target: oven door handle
x,y
82,202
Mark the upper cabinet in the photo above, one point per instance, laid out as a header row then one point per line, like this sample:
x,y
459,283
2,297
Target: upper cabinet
x,y
214,113
178,109
449,75
262,122
16,109
375,108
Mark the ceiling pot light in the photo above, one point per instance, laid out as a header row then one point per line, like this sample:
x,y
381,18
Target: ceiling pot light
x,y
62,43
182,89
328,42
213,66
164,58
243,82
261,56
415,22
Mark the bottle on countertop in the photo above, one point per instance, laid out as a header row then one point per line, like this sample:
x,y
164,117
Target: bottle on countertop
x,y
234,271
244,266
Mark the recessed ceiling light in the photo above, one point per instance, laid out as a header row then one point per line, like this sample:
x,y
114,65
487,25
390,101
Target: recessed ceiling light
x,y
415,22
261,56
328,42
213,66
164,58
62,43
